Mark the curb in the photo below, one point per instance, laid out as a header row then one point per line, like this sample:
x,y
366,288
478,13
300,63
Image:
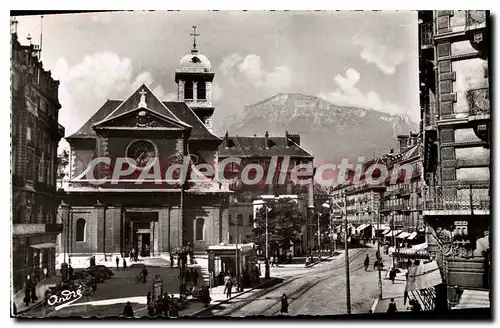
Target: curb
x,y
374,305
236,295
29,308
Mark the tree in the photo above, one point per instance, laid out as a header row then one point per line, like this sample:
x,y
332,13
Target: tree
x,y
284,221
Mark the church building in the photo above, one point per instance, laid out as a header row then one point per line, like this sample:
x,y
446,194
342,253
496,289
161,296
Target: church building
x,y
133,208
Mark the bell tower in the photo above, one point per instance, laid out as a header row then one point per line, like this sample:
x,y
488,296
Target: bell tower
x,y
194,80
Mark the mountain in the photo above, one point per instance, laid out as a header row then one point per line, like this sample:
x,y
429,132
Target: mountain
x,y
328,131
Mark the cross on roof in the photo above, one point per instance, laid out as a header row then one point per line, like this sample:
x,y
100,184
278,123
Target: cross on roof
x,y
194,35
142,102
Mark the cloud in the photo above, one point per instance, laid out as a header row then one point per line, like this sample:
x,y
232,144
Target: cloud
x,y
85,86
249,69
380,53
347,94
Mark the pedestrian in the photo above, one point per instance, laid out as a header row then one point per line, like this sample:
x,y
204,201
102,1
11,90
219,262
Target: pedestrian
x,y
284,305
144,274
392,307
194,276
64,271
34,298
367,262
27,294
117,263
166,305
229,286
171,260
124,264
187,276
159,305
405,297
416,306
151,306
392,274
70,272
92,261
128,312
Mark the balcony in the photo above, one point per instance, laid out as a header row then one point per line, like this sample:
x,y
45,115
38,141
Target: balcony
x,y
475,19
479,104
430,117
426,35
457,200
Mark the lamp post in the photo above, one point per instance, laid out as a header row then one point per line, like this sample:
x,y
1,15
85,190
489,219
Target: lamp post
x,y
267,246
346,246
319,241
379,258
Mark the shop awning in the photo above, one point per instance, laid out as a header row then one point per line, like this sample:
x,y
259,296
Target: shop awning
x,y
384,227
412,235
44,245
403,235
473,299
362,227
423,276
393,233
419,247
385,232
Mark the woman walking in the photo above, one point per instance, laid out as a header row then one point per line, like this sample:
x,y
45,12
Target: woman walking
x,y
367,262
284,305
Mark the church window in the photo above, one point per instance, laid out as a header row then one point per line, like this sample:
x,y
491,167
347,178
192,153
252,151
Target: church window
x,y
188,90
80,230
239,219
250,220
200,224
231,222
202,90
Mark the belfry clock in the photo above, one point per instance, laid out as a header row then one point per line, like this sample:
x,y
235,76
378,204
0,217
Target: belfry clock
x,y
143,152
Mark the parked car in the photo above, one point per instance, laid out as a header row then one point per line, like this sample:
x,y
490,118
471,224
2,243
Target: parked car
x,y
99,272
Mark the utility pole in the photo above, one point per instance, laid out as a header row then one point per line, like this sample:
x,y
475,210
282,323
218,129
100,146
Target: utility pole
x,y
379,258
237,264
346,247
393,242
319,241
267,246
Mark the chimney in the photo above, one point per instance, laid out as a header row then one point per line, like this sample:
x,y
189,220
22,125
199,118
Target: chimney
x,y
267,139
414,138
403,143
226,139
293,137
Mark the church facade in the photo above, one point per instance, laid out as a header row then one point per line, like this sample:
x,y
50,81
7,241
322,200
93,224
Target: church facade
x,y
133,180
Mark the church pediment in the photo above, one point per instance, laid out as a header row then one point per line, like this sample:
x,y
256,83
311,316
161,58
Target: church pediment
x,y
142,109
141,118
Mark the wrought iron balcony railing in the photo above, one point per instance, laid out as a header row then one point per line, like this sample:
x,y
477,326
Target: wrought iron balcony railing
x,y
479,101
475,18
426,34
468,198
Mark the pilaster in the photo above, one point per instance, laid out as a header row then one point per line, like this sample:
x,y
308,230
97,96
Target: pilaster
x,y
180,94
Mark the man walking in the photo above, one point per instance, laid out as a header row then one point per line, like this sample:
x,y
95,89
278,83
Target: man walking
x,y
194,276
367,262
392,307
117,263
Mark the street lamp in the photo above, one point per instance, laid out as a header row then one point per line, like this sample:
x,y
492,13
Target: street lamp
x,y
267,245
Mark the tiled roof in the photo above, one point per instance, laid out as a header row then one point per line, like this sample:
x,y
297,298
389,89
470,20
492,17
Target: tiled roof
x,y
255,147
133,101
186,114
178,108
86,130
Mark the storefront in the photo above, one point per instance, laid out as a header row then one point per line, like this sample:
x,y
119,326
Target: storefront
x,y
224,258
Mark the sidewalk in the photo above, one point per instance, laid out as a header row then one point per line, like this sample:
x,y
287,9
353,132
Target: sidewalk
x,y
40,288
390,290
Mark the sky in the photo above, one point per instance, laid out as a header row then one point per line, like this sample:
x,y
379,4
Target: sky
x,y
365,59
